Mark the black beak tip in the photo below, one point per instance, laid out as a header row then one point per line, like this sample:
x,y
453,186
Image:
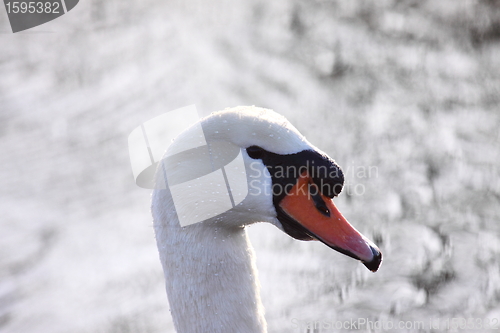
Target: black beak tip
x,y
375,263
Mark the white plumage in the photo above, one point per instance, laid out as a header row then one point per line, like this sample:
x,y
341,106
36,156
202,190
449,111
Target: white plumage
x,y
209,267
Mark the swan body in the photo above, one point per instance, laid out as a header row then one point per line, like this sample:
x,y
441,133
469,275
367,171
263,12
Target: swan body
x,y
209,267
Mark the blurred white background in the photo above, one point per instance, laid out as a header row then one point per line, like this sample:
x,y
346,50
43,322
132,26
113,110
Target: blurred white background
x,y
408,88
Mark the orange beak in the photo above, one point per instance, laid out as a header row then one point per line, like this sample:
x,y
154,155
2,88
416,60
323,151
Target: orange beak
x,y
327,224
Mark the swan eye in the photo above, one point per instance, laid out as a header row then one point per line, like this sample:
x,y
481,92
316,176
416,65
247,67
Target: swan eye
x,y
255,152
318,200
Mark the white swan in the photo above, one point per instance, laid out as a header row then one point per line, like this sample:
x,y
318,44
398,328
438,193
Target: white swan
x,y
209,267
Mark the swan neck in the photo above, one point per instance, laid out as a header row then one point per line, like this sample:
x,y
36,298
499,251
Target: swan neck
x,y
210,275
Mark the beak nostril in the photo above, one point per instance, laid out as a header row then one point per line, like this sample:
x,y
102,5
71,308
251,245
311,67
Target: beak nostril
x,y
319,203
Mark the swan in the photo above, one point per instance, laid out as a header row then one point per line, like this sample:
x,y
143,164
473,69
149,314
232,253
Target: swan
x,y
209,267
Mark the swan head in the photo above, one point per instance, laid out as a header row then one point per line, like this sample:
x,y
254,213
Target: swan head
x,y
286,180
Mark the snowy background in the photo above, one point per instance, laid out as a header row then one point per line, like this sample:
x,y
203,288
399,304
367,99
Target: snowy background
x,y
407,89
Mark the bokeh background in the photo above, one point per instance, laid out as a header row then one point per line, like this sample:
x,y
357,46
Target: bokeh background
x,y
404,94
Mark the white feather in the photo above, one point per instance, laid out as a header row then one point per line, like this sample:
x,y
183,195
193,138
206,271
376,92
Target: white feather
x,y
209,267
